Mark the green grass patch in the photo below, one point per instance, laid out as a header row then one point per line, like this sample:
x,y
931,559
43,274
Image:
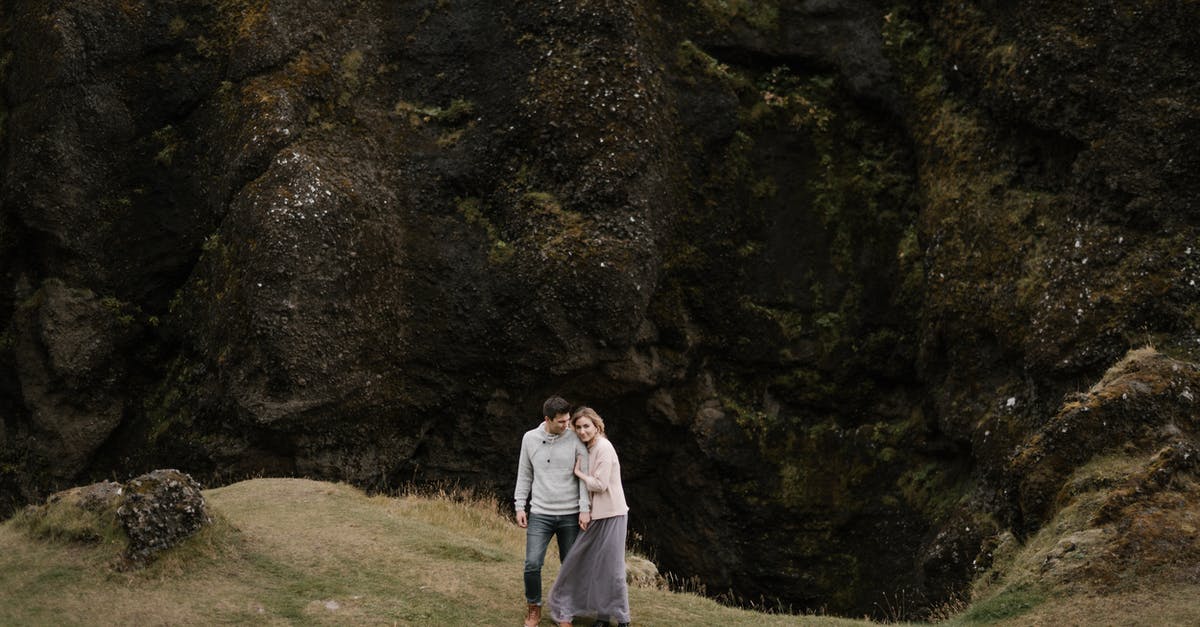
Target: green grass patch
x,y
1008,604
70,524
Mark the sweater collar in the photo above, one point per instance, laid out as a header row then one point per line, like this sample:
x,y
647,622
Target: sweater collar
x,y
550,437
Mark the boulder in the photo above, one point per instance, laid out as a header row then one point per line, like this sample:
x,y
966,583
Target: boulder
x,y
642,573
159,510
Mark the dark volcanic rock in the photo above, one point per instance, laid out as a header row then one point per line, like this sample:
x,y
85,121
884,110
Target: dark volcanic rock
x,y
68,344
825,268
158,510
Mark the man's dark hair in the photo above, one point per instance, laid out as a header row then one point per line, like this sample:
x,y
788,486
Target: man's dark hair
x,y
554,406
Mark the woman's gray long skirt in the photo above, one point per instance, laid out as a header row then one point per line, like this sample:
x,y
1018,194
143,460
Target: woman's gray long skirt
x,y
591,581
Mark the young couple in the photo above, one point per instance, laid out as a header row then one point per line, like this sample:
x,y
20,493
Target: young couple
x,y
571,479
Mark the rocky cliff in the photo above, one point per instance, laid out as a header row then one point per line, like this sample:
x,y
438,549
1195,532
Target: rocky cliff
x,y
827,268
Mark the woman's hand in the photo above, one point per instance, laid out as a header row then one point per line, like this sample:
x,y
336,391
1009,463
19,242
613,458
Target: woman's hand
x,y
578,461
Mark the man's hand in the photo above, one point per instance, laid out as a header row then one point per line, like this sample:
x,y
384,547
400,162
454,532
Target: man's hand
x,y
585,519
522,519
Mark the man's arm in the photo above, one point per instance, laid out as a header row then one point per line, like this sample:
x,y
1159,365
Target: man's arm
x,y
585,501
524,485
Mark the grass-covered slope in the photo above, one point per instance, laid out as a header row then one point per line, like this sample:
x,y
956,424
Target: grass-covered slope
x,y
293,551
290,551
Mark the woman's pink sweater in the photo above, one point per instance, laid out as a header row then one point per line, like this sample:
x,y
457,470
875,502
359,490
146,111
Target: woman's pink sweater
x,y
604,480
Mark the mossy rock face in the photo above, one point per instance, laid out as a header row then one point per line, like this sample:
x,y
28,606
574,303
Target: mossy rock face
x,y
822,266
70,344
1044,250
1105,493
1144,402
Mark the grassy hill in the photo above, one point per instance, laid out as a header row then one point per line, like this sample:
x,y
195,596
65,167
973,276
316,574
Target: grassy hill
x,y
287,551
294,551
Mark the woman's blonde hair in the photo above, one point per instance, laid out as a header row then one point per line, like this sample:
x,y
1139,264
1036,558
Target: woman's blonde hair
x,y
588,412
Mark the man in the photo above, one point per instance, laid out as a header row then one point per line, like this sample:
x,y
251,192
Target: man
x,y
558,502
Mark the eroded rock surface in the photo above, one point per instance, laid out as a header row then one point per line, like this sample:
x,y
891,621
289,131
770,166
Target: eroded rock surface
x,y
826,269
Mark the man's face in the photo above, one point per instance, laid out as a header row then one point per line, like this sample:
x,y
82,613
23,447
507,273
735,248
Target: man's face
x,y
557,424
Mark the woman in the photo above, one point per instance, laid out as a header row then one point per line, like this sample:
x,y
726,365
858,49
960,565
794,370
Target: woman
x,y
592,577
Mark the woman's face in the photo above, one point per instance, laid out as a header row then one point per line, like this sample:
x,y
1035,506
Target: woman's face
x,y
585,429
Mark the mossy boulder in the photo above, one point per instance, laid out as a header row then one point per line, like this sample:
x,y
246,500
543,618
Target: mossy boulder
x,y
158,510
142,517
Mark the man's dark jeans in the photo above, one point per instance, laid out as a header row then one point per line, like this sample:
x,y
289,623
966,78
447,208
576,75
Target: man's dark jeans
x,y
537,538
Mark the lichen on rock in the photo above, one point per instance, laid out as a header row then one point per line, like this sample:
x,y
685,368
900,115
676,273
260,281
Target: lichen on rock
x,y
158,510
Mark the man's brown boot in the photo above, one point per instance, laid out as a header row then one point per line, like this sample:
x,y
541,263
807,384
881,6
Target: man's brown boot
x,y
533,615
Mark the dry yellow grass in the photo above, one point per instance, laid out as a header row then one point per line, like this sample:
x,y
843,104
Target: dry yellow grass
x,y
1167,606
